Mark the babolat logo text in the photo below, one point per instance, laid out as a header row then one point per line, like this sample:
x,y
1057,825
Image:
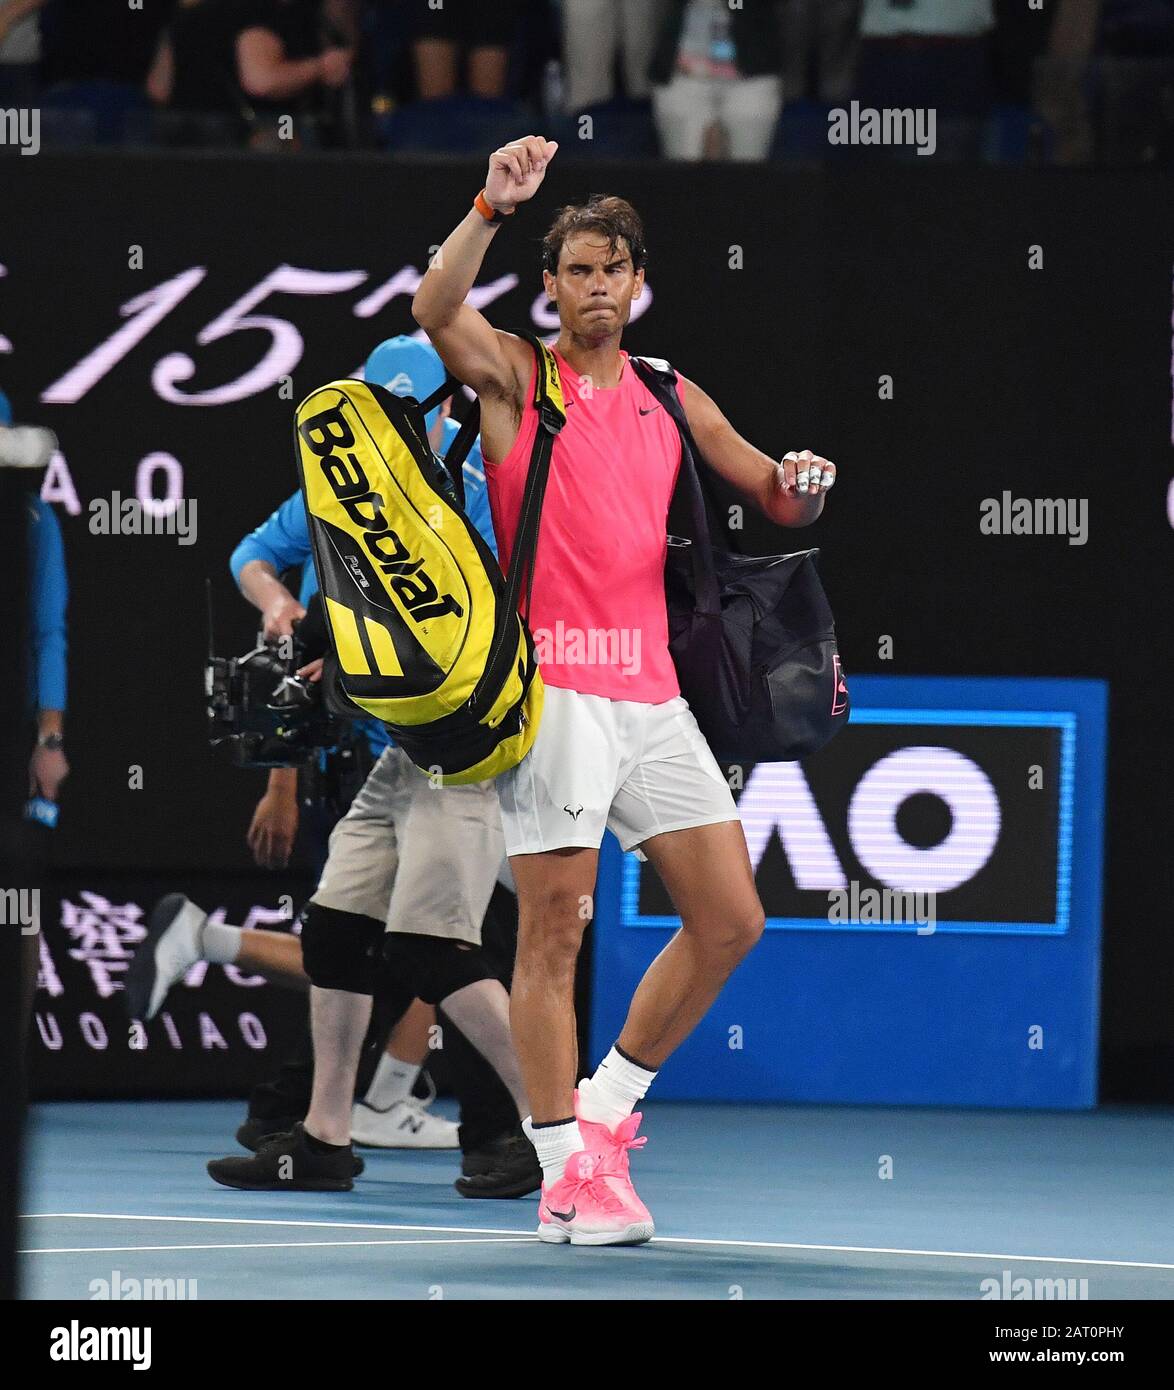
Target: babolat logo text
x,y
865,125
323,435
77,1343
21,128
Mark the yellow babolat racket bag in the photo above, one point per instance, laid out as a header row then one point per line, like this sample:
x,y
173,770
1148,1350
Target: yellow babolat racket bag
x,y
425,629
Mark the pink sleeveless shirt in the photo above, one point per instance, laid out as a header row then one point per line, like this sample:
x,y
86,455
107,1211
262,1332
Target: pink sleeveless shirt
x,y
598,610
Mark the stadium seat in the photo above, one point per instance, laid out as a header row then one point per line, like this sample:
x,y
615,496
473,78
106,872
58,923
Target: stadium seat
x,y
619,130
67,129
1017,135
452,125
107,103
801,136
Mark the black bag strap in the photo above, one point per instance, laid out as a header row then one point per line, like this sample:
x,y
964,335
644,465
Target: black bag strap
x,y
551,418
458,450
661,381
448,387
548,401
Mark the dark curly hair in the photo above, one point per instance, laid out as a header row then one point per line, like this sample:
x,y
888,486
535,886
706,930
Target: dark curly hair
x,y
614,218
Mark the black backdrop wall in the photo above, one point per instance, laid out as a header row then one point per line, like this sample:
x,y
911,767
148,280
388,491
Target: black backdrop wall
x,y
788,296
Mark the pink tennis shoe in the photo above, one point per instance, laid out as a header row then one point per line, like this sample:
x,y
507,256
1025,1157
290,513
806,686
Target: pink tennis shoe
x,y
594,1202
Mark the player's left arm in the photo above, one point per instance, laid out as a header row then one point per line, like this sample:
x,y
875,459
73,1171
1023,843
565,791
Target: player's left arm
x,y
790,493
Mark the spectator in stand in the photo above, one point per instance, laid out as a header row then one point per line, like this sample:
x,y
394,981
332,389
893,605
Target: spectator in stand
x,y
84,41
1137,28
1021,36
1136,66
20,52
593,31
248,62
1059,86
480,32
94,57
927,53
716,68
821,47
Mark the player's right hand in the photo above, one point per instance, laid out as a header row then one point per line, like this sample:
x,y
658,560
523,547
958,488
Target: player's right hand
x,y
279,618
516,171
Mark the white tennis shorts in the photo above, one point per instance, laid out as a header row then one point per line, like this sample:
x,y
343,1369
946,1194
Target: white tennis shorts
x,y
636,769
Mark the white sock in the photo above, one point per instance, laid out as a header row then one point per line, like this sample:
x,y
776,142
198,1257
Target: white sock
x,y
554,1144
220,943
393,1081
615,1090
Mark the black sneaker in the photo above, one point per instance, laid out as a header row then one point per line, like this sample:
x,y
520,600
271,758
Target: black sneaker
x,y
255,1130
285,1162
505,1167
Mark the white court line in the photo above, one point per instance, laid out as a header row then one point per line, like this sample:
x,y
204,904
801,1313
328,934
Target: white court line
x,y
657,1240
268,1245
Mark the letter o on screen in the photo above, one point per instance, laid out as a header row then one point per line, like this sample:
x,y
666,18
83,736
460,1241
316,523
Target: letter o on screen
x,y
941,772
172,470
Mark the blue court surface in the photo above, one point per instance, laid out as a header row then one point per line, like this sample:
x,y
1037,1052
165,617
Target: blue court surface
x,y
756,1202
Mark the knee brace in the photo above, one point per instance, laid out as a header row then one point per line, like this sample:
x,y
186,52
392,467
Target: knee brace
x,y
432,967
339,949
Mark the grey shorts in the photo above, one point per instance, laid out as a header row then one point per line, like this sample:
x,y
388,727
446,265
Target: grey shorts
x,y
418,857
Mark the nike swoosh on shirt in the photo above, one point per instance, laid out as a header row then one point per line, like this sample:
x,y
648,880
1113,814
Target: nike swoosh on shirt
x,y
649,411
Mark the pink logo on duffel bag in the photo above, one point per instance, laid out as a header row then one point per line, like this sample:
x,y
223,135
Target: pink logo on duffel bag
x,y
840,698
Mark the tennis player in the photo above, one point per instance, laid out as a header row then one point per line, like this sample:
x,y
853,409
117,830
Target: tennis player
x,y
617,747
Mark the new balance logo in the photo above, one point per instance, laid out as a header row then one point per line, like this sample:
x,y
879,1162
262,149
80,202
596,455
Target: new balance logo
x,y
575,813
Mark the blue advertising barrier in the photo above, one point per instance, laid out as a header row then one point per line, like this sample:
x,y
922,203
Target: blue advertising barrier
x,y
932,887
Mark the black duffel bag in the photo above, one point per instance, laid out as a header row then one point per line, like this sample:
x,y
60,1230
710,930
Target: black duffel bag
x,y
752,637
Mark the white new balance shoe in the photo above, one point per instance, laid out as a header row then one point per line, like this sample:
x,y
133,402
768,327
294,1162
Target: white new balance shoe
x,y
168,951
405,1125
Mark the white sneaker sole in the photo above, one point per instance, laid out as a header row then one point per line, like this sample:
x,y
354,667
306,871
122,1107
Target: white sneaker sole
x,y
550,1233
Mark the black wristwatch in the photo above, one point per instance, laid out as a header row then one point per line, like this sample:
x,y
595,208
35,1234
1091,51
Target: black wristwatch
x,y
53,742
